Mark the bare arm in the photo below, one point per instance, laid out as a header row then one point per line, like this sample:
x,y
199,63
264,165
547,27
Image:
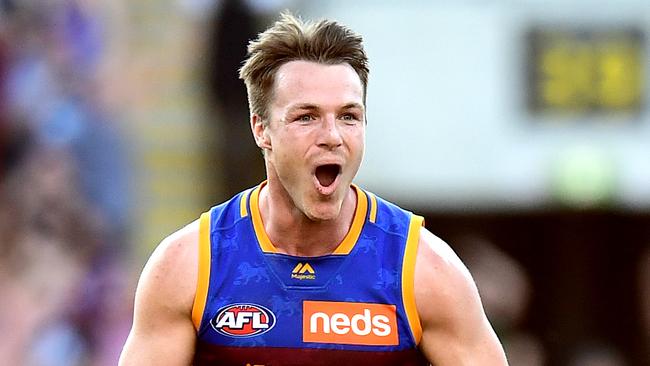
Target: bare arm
x,y
455,330
163,332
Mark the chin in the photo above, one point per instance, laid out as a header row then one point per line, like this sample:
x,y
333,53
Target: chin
x,y
324,213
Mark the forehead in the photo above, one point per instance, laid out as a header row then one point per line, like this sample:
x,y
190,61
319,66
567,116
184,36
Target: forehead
x,y
305,82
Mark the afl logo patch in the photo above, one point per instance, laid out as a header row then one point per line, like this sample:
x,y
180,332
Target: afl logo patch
x,y
243,320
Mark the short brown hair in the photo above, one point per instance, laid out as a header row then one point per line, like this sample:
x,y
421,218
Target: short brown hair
x,y
291,39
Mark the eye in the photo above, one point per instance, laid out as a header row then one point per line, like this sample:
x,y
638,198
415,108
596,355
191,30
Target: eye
x,y
349,118
304,118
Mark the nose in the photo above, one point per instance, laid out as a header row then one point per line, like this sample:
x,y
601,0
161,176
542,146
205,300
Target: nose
x,y
329,134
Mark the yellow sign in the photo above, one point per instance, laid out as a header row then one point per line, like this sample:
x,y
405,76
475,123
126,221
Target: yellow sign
x,y
589,70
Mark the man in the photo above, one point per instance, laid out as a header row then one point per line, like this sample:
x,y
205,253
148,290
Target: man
x,y
307,268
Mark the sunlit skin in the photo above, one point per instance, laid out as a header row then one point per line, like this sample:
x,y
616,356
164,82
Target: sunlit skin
x,y
316,117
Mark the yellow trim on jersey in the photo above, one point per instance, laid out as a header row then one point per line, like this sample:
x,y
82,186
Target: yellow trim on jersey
x,y
373,208
351,238
258,225
203,280
243,210
346,245
408,276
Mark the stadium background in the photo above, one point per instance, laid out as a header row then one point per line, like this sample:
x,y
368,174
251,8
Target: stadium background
x,y
519,129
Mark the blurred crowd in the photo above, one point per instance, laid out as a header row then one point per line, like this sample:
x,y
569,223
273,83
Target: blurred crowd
x,y
64,199
507,290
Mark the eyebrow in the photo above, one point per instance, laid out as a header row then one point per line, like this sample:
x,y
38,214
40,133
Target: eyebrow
x,y
313,107
353,106
302,106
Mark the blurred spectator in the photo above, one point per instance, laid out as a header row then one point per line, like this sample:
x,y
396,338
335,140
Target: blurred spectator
x,y
597,354
48,238
505,290
3,98
54,66
64,202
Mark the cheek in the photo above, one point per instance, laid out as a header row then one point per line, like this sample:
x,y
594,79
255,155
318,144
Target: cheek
x,y
358,141
287,155
296,142
356,149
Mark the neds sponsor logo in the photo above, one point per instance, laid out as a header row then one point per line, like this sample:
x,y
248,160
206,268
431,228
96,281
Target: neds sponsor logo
x,y
349,323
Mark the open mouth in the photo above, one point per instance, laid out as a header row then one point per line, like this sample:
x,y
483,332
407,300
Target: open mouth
x,y
326,174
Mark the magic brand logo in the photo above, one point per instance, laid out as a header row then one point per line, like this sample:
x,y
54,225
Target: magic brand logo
x,y
303,272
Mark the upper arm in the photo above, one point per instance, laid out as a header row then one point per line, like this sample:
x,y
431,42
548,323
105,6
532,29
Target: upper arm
x,y
163,332
455,330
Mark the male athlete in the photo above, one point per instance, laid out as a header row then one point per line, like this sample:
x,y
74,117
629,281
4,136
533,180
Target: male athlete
x,y
307,268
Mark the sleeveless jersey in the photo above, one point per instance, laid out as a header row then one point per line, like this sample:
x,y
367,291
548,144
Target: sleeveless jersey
x,y
255,306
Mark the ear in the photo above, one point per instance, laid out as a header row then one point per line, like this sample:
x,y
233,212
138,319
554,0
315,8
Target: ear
x,y
260,132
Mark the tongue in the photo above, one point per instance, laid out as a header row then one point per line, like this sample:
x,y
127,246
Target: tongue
x,y
326,174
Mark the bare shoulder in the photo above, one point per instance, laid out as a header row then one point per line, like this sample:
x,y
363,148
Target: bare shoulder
x,y
455,330
163,332
179,246
171,271
441,278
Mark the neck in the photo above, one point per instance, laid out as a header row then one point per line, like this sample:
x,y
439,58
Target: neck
x,y
293,233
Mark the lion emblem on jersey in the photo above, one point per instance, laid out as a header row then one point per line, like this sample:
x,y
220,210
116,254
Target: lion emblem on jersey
x,y
249,272
387,279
